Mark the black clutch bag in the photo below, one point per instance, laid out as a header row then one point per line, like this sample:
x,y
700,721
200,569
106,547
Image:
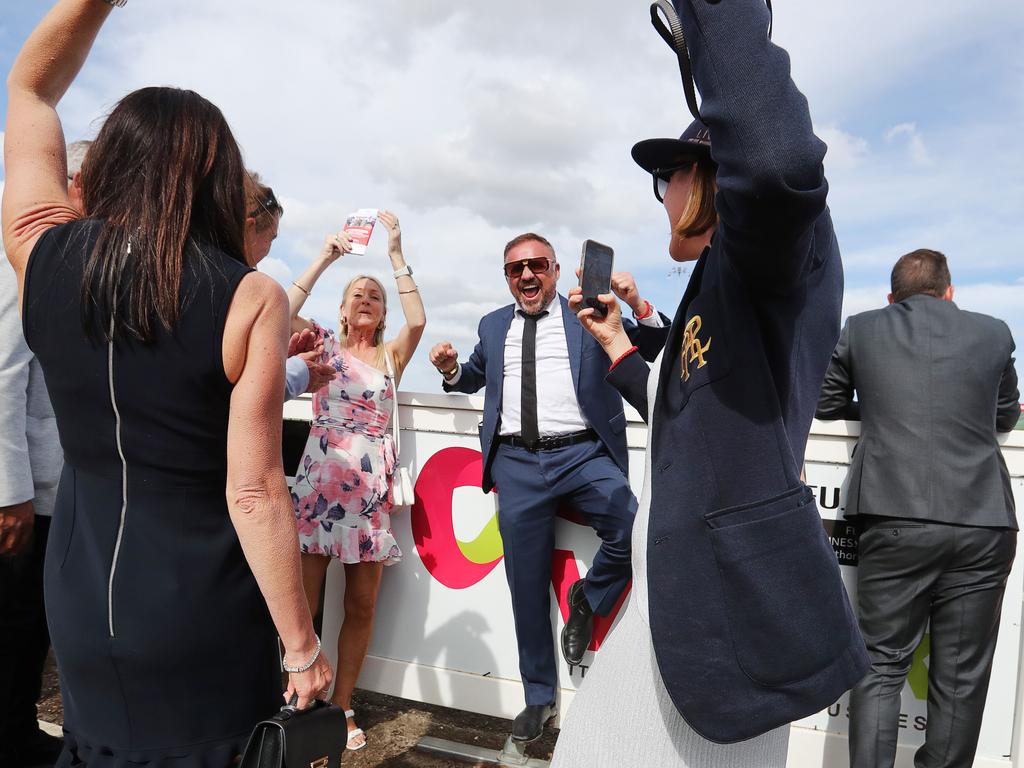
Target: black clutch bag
x,y
294,738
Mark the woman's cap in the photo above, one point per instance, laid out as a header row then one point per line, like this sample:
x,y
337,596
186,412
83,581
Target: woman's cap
x,y
694,144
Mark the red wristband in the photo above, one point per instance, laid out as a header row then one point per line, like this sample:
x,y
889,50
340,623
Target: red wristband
x,y
648,311
621,357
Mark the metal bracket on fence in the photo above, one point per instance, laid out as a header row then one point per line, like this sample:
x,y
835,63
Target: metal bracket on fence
x,y
512,754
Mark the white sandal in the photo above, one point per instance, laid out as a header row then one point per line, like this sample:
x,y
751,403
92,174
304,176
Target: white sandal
x,y
350,713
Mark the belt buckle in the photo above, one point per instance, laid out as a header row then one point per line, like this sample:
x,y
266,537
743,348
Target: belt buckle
x,y
550,442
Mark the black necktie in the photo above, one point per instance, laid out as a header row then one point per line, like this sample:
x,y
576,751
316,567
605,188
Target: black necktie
x,y
529,430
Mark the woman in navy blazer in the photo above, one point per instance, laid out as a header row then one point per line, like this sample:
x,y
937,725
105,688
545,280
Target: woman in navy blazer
x,y
739,623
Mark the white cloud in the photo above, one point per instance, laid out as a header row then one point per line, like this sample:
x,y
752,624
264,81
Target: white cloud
x,y
845,151
1003,301
848,55
475,123
915,142
277,269
857,300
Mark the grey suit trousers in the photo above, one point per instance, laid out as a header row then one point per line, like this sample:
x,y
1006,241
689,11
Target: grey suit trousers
x,y
912,572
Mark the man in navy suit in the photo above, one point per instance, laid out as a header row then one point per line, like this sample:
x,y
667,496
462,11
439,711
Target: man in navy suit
x,y
553,432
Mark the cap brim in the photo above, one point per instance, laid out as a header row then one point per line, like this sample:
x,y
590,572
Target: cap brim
x,y
665,153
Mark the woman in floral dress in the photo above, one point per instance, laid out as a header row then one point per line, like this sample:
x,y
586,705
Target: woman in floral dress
x,y
342,490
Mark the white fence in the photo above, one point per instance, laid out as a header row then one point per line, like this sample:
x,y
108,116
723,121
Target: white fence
x,y
444,631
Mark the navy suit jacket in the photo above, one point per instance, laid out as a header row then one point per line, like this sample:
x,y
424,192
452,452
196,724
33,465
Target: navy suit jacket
x,y
600,403
750,622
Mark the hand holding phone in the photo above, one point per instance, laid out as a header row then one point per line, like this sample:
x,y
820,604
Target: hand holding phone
x,y
595,274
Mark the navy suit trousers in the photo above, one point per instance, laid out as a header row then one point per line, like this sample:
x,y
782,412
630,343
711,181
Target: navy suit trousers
x,y
531,487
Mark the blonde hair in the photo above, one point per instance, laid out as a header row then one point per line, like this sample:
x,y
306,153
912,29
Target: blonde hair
x,y
378,333
699,214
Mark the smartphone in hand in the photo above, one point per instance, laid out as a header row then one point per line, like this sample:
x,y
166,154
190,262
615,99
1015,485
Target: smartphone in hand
x,y
595,273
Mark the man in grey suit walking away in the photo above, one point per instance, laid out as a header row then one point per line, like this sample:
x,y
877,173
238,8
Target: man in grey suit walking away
x,y
931,493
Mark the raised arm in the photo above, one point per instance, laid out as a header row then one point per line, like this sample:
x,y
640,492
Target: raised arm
x,y
404,345
650,331
335,246
468,377
255,344
771,180
35,161
628,371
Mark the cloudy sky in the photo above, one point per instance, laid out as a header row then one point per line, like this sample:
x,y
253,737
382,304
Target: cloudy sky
x,y
478,121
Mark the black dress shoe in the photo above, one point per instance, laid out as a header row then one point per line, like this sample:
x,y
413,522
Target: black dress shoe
x,y
529,724
579,627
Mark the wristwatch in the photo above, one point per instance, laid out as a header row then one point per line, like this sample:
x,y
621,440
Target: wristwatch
x,y
406,270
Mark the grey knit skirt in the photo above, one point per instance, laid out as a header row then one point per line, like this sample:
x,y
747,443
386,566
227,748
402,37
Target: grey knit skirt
x,y
622,715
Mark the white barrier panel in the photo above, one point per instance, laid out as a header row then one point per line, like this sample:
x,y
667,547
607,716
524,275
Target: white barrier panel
x,y
444,632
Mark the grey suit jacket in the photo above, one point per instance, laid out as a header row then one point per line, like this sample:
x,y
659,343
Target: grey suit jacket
x,y
31,458
934,385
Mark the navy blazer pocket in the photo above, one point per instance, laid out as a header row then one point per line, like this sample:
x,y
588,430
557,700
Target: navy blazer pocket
x,y
788,612
617,423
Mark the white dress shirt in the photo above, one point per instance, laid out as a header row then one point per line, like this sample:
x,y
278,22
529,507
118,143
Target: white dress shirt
x,y
653,320
558,410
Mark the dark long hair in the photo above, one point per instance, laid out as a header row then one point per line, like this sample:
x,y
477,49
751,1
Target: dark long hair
x,y
164,176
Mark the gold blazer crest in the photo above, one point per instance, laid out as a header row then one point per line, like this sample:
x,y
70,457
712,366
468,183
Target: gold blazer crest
x,y
693,350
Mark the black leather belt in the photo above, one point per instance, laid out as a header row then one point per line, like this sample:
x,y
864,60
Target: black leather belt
x,y
549,443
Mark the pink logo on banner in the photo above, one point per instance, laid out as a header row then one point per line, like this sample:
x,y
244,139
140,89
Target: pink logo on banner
x,y
459,565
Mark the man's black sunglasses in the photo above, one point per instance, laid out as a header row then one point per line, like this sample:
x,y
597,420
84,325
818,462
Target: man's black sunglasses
x,y
662,176
538,266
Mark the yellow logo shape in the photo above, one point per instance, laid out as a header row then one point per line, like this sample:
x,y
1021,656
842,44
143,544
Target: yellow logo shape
x,y
918,677
693,350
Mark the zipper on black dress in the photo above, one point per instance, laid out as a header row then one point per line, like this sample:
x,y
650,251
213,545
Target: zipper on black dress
x,y
124,477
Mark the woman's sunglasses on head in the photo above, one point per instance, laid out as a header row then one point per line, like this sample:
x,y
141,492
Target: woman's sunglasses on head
x,y
538,266
267,204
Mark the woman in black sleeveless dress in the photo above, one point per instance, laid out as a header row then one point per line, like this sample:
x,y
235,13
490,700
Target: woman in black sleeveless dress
x,y
163,354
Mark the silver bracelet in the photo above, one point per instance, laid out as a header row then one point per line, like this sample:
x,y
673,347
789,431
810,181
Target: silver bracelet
x,y
116,3
308,664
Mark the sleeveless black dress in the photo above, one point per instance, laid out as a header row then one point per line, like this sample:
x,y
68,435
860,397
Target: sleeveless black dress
x,y
166,650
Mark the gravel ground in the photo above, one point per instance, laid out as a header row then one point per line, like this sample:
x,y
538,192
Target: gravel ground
x,y
392,725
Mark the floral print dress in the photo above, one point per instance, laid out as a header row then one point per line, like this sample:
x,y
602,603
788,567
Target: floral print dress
x,y
342,489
